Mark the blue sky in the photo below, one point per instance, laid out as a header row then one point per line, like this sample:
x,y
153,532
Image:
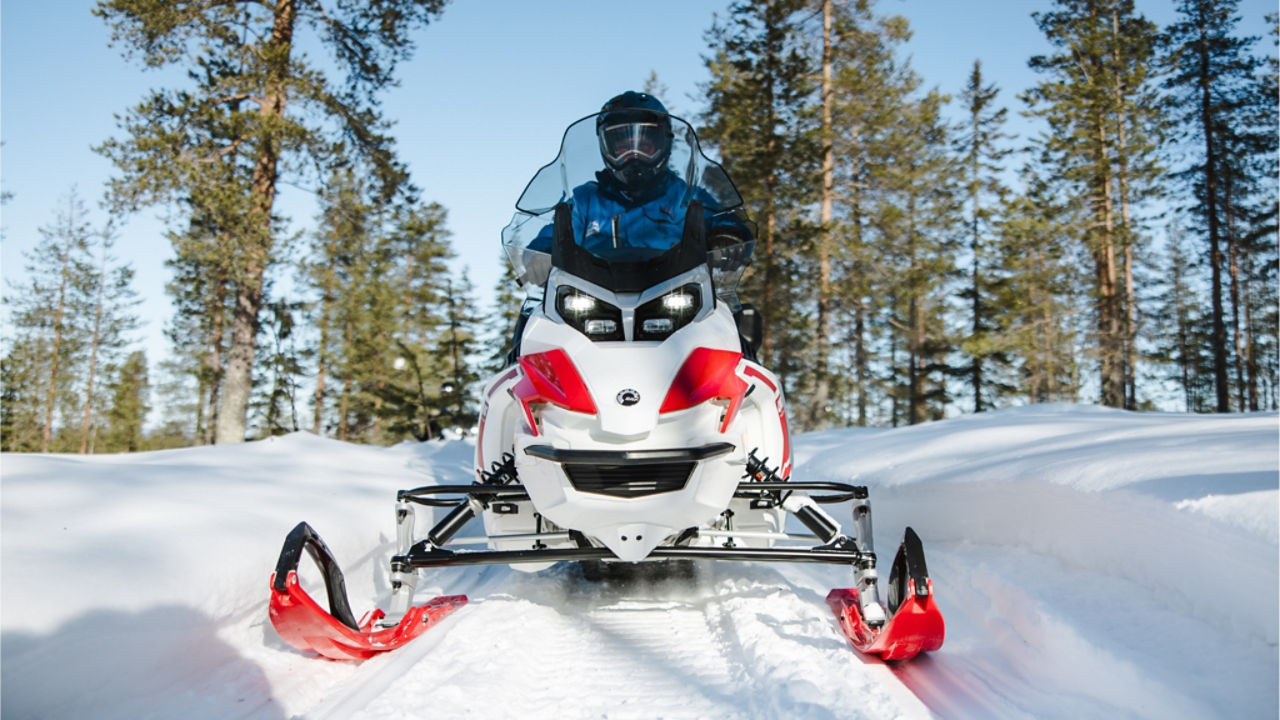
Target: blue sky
x,y
480,107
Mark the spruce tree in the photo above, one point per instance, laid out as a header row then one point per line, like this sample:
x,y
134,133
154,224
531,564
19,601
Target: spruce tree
x,y
129,403
277,403
455,351
21,374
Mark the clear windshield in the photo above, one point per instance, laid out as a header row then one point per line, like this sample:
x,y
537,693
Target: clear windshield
x,y
618,222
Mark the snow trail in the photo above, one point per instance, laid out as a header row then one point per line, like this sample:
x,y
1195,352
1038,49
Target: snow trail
x,y
1089,563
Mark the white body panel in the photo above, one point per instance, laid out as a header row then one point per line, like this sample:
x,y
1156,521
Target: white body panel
x,y
632,526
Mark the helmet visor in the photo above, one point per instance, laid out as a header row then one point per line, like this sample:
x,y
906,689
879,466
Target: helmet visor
x,y
643,140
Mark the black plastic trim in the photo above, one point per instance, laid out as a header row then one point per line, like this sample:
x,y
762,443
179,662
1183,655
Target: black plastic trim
x,y
634,457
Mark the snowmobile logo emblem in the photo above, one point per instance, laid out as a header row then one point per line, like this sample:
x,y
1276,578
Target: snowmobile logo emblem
x,y
628,397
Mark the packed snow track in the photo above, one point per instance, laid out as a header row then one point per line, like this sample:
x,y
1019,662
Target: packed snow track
x,y
1089,562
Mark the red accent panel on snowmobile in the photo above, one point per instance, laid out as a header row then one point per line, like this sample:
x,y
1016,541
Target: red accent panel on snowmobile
x,y
305,625
784,470
551,377
916,627
707,374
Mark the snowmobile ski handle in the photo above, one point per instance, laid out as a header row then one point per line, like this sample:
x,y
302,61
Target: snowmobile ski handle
x,y
335,585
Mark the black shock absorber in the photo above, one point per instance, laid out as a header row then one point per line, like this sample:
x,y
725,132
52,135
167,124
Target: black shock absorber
x,y
459,516
819,522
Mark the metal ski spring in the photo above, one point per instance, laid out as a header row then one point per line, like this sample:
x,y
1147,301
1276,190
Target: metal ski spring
x,y
501,472
758,470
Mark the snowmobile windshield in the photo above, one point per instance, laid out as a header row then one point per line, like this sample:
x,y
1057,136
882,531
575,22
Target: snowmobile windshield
x,y
621,233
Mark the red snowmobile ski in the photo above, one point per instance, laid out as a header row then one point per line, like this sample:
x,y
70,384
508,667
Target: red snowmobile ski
x,y
633,422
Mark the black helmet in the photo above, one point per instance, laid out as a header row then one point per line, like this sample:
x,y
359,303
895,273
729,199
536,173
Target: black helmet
x,y
635,138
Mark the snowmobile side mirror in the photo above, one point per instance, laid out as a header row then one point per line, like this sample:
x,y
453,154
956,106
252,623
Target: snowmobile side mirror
x,y
750,327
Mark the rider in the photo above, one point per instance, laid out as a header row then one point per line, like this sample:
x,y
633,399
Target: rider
x,y
636,200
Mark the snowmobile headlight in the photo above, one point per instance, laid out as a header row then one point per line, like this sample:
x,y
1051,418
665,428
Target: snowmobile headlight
x,y
663,315
589,315
595,327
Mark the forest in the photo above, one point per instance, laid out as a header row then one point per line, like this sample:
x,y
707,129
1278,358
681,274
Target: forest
x,y
914,258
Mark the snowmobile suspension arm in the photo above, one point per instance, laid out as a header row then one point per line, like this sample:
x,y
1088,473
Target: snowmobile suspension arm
x,y
423,555
515,493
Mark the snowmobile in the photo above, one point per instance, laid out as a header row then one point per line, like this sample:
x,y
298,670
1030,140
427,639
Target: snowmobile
x,y
632,425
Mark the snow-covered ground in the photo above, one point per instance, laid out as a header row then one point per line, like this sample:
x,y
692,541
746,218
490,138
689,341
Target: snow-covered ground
x,y
1089,563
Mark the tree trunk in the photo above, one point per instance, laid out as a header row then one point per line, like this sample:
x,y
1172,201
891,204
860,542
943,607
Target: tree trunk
x,y
1126,228
1219,341
1233,270
821,395
1251,352
975,247
213,362
1110,326
249,296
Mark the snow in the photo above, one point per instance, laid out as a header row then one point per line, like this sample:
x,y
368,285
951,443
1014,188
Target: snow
x,y
1089,563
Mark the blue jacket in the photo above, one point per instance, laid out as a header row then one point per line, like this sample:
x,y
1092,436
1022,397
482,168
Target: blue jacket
x,y
604,218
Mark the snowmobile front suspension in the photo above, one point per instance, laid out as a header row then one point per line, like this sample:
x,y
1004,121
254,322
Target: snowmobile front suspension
x,y
835,548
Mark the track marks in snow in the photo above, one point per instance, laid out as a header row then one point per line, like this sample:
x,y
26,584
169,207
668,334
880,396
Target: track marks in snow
x,y
723,644
785,642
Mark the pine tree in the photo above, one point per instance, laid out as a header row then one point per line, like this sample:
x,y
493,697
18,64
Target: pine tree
x,y
341,238
50,333
1209,85
257,109
1090,98
455,352
869,90
1184,348
113,300
760,120
1035,301
981,151
501,321
919,222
